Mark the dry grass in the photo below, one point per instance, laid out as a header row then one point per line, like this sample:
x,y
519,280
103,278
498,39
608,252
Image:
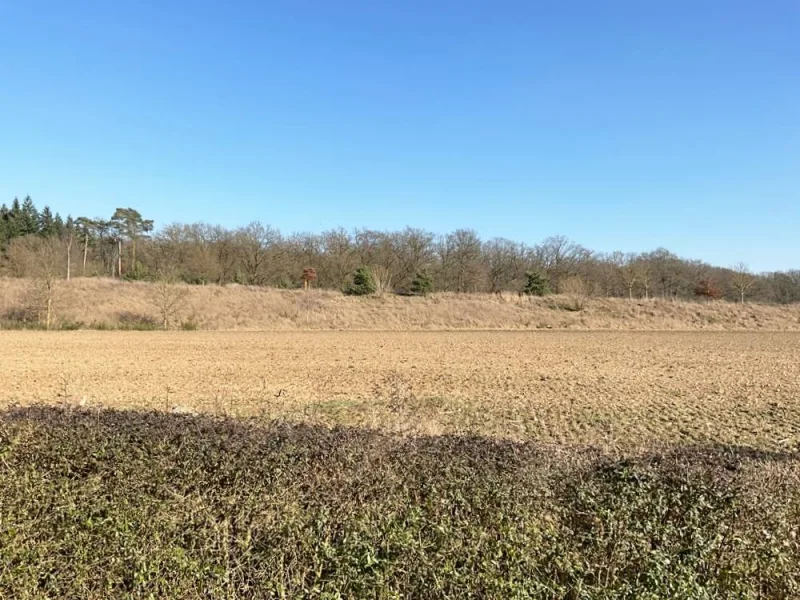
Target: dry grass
x,y
615,390
103,302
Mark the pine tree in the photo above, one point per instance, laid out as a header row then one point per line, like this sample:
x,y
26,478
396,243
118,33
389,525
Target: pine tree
x,y
4,216
58,226
422,284
28,217
46,222
363,283
13,220
535,284
130,225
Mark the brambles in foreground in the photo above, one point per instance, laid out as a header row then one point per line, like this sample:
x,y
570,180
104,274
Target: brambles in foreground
x,y
120,504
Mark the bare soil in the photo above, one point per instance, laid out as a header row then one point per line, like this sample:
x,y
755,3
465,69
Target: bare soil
x,y
608,389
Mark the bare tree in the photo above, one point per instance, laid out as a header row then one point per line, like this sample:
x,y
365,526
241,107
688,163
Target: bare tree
x,y
169,297
460,260
560,258
255,242
382,278
40,259
577,290
86,228
742,280
70,237
627,270
644,269
340,258
504,263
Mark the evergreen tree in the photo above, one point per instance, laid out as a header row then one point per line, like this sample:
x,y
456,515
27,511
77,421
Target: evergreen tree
x,y
58,226
130,225
13,220
363,283
28,217
46,222
422,284
4,216
535,284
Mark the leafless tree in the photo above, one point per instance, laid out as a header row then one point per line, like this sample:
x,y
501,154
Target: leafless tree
x,y
255,242
742,280
577,290
40,259
168,296
460,260
560,258
627,270
504,263
382,277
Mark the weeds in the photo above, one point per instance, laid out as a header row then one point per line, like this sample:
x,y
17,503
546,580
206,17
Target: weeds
x,y
146,504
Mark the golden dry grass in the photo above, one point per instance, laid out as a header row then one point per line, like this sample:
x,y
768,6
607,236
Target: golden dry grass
x,y
241,308
610,389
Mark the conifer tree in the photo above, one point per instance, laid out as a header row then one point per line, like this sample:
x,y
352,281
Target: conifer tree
x,y
28,218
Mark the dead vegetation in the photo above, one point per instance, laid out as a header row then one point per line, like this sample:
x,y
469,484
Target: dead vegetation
x,y
99,304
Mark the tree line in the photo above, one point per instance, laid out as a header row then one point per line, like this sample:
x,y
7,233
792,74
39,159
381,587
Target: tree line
x,y
410,261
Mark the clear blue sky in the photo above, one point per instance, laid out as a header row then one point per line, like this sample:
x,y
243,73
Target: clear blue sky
x,y
623,125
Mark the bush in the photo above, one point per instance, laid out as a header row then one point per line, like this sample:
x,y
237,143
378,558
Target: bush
x,y
577,290
147,504
139,272
535,284
137,322
707,288
422,284
190,325
363,283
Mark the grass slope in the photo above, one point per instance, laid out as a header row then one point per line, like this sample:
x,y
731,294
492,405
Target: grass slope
x,y
148,504
104,303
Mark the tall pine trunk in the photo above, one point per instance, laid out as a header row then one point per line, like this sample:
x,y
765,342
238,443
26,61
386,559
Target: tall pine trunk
x,y
69,257
85,252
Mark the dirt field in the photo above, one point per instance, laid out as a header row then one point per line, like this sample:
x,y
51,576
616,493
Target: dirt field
x,y
599,388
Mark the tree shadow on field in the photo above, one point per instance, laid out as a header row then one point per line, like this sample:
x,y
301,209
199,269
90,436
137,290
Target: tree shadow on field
x,y
82,426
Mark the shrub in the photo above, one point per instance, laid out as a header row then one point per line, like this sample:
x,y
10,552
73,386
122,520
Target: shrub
x,y
139,272
577,290
707,288
137,322
146,504
363,283
190,325
536,284
422,284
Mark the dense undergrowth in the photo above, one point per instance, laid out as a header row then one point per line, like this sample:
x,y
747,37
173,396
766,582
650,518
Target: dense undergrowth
x,y
146,504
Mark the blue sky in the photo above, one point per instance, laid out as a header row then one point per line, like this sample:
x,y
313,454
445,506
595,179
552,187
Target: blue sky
x,y
623,125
